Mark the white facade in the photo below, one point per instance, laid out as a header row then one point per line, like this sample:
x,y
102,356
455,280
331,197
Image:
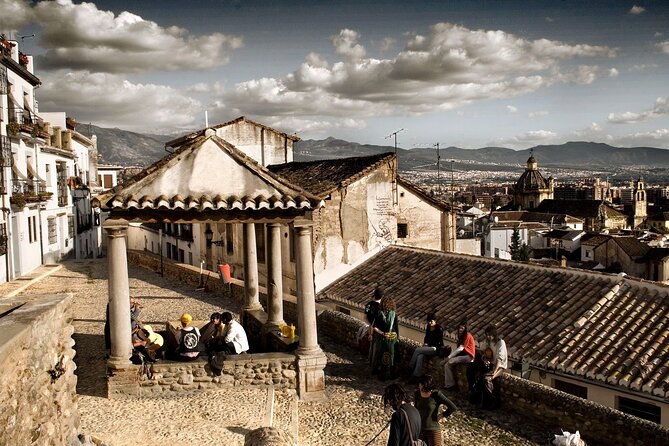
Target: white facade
x,y
497,240
44,162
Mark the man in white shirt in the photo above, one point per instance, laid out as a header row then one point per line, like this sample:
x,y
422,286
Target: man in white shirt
x,y
500,364
234,336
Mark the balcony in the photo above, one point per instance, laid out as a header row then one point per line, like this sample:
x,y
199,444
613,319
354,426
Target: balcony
x,y
25,123
6,158
28,191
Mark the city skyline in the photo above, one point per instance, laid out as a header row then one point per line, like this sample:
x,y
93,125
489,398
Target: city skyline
x,y
465,73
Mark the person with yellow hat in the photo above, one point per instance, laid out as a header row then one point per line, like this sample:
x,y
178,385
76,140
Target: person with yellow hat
x,y
188,339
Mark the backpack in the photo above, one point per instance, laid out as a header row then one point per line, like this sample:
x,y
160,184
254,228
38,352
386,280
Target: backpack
x,y
189,341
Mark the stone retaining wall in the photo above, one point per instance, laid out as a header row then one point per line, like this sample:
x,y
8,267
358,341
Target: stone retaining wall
x,y
37,383
599,425
270,369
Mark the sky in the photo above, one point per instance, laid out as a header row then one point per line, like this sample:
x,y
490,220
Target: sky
x,y
468,73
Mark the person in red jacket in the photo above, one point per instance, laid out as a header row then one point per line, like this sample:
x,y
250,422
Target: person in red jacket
x,y
463,354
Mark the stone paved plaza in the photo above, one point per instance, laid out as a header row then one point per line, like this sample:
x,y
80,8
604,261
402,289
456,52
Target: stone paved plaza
x,y
352,415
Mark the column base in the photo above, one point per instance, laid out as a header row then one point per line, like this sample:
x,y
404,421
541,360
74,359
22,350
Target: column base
x,y
311,375
122,381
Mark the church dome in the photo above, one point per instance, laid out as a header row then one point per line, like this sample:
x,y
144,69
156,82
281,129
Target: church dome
x,y
531,179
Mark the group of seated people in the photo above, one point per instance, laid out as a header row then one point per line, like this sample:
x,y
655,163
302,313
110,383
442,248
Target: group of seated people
x,y
186,342
483,368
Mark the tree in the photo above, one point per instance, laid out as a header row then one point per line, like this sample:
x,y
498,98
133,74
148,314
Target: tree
x,y
519,251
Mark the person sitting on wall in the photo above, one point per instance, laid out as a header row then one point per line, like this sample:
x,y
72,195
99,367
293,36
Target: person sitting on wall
x,y
188,339
234,336
147,342
490,398
432,343
212,329
463,354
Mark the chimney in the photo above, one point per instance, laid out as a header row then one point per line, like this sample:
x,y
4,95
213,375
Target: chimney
x,y
67,139
57,138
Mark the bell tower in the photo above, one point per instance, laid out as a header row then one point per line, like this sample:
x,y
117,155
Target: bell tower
x,y
639,211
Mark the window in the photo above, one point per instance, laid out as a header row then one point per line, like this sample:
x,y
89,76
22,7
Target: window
x,y
497,253
570,388
343,310
107,182
588,254
3,239
646,411
53,235
229,238
70,226
402,230
32,229
260,242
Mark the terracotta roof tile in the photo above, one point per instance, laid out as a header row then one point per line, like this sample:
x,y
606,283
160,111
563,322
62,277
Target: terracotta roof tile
x,y
598,326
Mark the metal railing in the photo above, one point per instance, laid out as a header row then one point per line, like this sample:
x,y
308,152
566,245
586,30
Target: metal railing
x,y
6,158
29,188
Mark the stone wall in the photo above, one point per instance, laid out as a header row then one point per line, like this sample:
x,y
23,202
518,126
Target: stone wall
x,y
271,369
599,425
37,384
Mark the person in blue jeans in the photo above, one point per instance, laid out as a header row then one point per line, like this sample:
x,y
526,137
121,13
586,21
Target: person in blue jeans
x,y
432,343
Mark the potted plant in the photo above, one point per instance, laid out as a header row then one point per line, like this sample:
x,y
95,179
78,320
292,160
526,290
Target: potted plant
x,y
35,131
13,128
18,200
23,59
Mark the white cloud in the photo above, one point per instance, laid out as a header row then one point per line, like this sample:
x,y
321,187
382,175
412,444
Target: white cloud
x,y
663,46
537,114
661,107
643,67
387,44
450,67
636,10
512,109
613,72
593,132
82,37
15,14
316,126
528,138
655,138
109,100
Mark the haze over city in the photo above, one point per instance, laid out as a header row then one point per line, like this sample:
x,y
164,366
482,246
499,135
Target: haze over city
x,y
467,73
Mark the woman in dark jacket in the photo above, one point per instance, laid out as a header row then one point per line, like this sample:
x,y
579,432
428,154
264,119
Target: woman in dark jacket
x,y
405,422
428,401
432,343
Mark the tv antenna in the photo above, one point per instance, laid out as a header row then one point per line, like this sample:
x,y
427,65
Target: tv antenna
x,y
28,36
394,135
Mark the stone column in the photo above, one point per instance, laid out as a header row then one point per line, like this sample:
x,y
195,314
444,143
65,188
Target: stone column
x,y
274,276
119,294
251,296
310,358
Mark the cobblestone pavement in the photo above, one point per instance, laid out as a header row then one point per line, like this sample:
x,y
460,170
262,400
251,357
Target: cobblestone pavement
x,y
352,415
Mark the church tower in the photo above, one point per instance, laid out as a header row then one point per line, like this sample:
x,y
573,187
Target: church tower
x,y
639,202
531,188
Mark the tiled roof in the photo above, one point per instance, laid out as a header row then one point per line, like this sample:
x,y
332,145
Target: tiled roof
x,y
544,217
423,194
207,174
631,246
578,208
190,136
596,326
326,176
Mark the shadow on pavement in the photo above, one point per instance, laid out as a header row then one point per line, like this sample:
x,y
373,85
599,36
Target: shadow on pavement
x,y
91,365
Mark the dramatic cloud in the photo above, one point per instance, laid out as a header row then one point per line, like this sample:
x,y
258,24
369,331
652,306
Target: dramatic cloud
x,y
110,100
660,108
200,87
14,14
636,10
656,138
613,72
450,67
82,37
512,109
537,114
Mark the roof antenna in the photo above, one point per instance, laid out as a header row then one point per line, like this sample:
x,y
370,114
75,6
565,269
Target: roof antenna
x,y
29,36
394,134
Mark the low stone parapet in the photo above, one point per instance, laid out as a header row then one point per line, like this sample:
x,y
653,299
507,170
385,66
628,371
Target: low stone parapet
x,y
258,369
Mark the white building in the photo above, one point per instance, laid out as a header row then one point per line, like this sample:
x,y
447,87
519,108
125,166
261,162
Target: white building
x,y
43,163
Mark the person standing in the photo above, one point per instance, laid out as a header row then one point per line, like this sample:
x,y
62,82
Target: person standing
x,y
428,402
490,397
405,422
387,327
371,309
463,354
432,343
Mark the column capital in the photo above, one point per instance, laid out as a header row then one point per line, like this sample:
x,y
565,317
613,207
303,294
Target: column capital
x,y
115,224
274,225
303,224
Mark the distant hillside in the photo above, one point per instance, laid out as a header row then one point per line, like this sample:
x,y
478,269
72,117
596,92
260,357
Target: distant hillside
x,y
125,148
575,154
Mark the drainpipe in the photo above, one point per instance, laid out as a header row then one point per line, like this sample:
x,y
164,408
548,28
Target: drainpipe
x,y
39,207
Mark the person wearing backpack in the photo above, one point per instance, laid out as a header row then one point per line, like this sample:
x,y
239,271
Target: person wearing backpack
x,y
428,401
405,422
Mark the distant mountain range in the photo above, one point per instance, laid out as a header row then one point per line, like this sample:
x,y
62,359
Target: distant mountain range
x,y
127,148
